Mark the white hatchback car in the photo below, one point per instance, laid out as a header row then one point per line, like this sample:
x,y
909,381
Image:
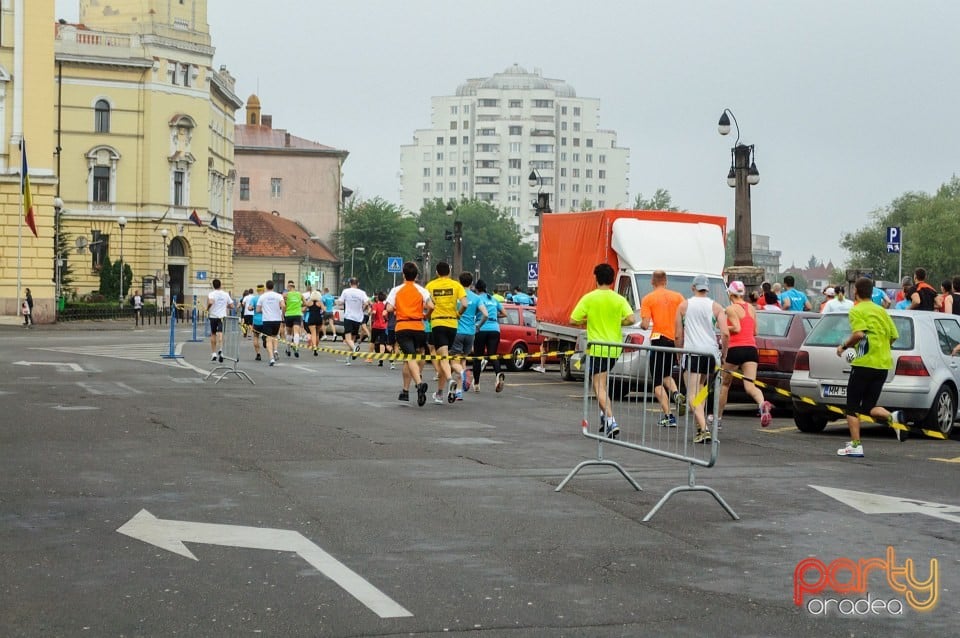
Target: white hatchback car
x,y
923,383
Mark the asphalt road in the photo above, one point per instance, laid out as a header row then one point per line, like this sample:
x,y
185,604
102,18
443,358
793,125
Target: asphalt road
x,y
406,521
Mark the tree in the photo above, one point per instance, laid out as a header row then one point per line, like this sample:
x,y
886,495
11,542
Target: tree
x,y
383,231
586,205
661,200
62,247
110,279
928,225
813,263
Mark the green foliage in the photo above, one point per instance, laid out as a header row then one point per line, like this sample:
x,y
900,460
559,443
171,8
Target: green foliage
x,y
383,231
586,205
661,200
928,224
110,279
62,248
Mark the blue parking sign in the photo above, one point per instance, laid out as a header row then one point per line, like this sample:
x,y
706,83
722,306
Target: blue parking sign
x,y
893,239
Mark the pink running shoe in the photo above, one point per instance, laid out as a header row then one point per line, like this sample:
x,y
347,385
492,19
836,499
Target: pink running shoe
x,y
766,408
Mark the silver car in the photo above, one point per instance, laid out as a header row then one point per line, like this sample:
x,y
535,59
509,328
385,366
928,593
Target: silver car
x,y
923,383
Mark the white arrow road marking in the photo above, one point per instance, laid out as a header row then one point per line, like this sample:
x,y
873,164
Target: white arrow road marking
x,y
171,536
880,504
71,366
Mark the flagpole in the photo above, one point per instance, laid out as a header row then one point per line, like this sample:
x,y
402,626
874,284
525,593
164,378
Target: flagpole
x,y
20,231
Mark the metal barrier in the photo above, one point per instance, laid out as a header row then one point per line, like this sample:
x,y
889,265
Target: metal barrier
x,y
638,419
231,350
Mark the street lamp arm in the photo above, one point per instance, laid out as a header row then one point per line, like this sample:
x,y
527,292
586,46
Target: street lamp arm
x,y
724,124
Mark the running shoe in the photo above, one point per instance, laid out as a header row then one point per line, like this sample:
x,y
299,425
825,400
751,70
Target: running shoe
x,y
668,421
288,352
438,398
702,436
220,356
603,422
316,353
897,417
681,402
710,422
465,381
476,387
612,430
459,395
380,363
296,352
272,362
483,365
356,349
501,380
421,394
392,367
766,416
258,357
539,369
851,450
451,390
349,360
404,395
213,356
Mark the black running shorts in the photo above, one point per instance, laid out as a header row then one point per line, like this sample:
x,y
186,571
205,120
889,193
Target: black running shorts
x,y
698,363
742,354
271,328
443,336
292,320
661,363
351,327
864,388
412,341
216,325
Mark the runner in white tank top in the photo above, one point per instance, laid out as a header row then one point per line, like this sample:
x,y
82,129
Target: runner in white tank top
x,y
697,318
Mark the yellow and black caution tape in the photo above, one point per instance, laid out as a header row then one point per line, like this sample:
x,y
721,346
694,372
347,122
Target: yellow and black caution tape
x,y
831,408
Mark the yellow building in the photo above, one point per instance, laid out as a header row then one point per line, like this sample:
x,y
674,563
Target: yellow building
x,y
26,112
145,128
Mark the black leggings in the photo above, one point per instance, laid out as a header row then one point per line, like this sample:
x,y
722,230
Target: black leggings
x,y
485,343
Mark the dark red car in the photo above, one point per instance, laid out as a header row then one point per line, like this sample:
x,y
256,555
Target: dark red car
x,y
779,337
518,335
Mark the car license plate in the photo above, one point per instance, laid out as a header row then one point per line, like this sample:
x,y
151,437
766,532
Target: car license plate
x,y
835,391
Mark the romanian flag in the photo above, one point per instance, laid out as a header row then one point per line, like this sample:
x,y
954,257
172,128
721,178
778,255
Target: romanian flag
x,y
195,218
25,189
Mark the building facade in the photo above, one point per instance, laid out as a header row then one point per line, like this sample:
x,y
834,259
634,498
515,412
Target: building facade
x,y
26,112
766,258
485,140
296,177
145,132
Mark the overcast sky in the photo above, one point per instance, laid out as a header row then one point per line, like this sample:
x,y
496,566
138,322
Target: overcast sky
x,y
849,104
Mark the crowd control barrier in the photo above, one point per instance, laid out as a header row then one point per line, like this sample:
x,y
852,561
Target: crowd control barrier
x,y
638,418
231,351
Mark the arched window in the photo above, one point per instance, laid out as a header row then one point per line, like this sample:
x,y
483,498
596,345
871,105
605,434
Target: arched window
x,y
177,248
101,120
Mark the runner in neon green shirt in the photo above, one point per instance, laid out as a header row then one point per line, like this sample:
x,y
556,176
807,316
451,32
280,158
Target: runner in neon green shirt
x,y
293,317
604,312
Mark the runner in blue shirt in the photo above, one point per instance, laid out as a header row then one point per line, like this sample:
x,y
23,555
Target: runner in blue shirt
x,y
521,298
258,335
469,315
487,340
792,299
328,303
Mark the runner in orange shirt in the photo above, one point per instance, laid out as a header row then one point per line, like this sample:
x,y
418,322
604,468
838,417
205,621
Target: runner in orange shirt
x,y
658,313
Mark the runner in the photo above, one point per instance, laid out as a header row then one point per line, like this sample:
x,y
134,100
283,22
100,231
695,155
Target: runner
x,y
378,321
293,317
741,354
391,335
470,315
603,311
271,306
873,333
658,313
487,340
696,318
218,302
410,301
446,293
355,304
313,306
247,312
257,323
329,301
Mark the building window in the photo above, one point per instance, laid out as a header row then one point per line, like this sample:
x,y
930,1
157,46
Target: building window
x,y
178,183
515,163
440,141
465,186
101,120
543,104
576,157
588,188
426,172
515,104
426,187
576,111
603,159
563,126
452,171
453,125
453,110
466,124
465,171
514,147
487,102
576,141
563,187
575,187
601,204
172,70
466,109
453,140
563,172
601,189
563,203
439,187
516,130
99,247
575,203
563,141
589,158
439,157
185,74
487,131
563,157
245,189
563,110
589,142
453,186
602,174
101,184
543,148
514,180
275,187
589,173
466,139
576,172
576,126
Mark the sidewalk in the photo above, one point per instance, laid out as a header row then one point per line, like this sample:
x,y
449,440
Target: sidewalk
x,y
9,323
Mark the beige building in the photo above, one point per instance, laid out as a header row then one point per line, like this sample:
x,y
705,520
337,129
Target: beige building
x,y
26,112
281,172
268,246
145,131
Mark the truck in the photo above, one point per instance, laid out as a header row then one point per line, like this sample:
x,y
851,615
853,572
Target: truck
x,y
635,243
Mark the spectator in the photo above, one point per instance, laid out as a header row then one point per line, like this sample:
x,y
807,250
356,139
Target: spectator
x,y
922,296
792,299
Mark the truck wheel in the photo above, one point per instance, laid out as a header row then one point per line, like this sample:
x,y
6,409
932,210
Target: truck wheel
x,y
566,370
519,362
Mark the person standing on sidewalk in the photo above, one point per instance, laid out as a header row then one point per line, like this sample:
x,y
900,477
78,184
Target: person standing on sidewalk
x,y
658,313
26,308
137,309
742,355
218,303
603,311
695,322
873,334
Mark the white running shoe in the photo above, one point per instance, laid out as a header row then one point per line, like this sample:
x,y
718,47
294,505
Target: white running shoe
x,y
851,450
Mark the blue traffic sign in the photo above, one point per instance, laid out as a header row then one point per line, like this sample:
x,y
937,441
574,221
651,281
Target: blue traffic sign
x,y
533,271
893,239
201,275
394,264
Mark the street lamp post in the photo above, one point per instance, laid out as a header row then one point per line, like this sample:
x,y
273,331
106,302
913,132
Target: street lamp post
x,y
541,206
163,273
476,268
426,253
58,256
122,221
742,175
353,252
457,243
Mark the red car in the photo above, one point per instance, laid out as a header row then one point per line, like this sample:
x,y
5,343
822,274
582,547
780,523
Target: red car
x,y
518,335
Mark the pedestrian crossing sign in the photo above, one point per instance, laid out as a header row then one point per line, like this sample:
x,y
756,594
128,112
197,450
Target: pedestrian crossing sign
x,y
394,264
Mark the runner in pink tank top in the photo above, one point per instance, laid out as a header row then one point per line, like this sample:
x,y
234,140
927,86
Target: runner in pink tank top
x,y
741,355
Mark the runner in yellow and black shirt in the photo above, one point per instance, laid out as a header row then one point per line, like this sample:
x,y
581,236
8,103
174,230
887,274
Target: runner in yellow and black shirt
x,y
445,293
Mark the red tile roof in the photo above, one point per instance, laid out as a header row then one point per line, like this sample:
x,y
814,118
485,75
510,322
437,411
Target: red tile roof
x,y
262,234
264,137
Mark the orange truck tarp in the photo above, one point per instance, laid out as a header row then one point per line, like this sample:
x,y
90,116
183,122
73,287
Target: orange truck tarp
x,y
572,244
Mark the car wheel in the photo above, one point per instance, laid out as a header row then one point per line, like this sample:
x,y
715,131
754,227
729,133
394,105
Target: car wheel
x,y
809,421
940,416
518,362
566,370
